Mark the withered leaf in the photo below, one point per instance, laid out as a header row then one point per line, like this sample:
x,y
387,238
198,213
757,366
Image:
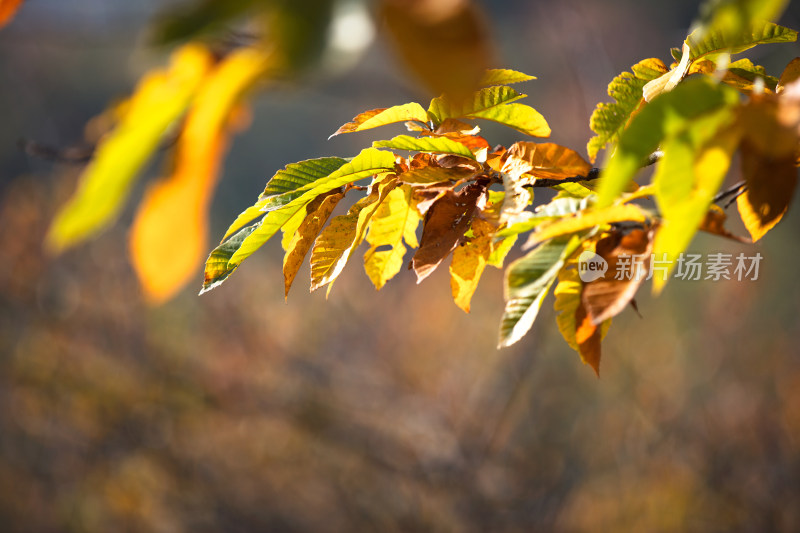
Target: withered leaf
x,y
545,160
319,210
445,224
628,258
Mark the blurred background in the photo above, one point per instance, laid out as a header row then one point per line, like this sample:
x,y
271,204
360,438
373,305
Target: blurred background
x,y
371,411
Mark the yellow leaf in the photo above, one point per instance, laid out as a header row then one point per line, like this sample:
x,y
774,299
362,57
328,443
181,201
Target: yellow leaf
x,y
469,261
394,221
380,117
7,10
573,321
318,212
335,245
585,220
160,99
169,234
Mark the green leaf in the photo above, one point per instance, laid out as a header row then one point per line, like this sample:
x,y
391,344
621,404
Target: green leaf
x,y
712,41
733,17
444,107
383,116
554,210
217,270
295,179
368,163
425,144
502,76
665,116
187,22
688,176
608,120
521,117
584,220
527,282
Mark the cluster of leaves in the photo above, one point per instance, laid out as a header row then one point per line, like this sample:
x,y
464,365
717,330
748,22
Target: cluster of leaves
x,y
472,199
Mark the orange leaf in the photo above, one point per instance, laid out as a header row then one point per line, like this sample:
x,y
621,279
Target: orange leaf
x,y
545,160
715,223
588,336
168,237
790,73
7,10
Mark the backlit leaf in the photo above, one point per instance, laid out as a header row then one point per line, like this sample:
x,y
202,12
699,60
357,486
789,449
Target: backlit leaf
x,y
573,321
444,107
469,261
383,116
318,212
667,115
217,270
502,76
546,161
295,179
585,220
704,43
441,145
741,74
368,163
790,73
335,245
714,223
608,120
168,238
688,176
521,117
445,224
628,261
527,281
160,99
394,221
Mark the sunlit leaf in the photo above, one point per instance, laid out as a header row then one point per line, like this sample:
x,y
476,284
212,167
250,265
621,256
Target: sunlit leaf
x,y
335,245
688,176
573,321
178,206
444,107
741,74
521,117
667,82
469,261
383,116
628,260
527,281
394,221
732,18
502,76
368,163
217,270
441,145
318,212
552,211
296,179
446,222
8,9
608,120
545,161
712,41
790,73
585,220
445,44
667,115
160,99
714,223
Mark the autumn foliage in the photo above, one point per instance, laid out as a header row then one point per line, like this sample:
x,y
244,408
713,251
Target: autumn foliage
x,y
443,192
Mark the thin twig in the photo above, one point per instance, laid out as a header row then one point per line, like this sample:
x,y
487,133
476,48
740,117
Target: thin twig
x,y
734,191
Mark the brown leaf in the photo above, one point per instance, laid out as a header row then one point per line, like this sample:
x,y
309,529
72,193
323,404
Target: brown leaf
x,y
589,337
627,258
545,160
790,73
444,43
715,223
769,154
445,224
427,169
319,210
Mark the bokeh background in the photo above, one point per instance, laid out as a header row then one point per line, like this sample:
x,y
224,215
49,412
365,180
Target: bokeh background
x,y
371,411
